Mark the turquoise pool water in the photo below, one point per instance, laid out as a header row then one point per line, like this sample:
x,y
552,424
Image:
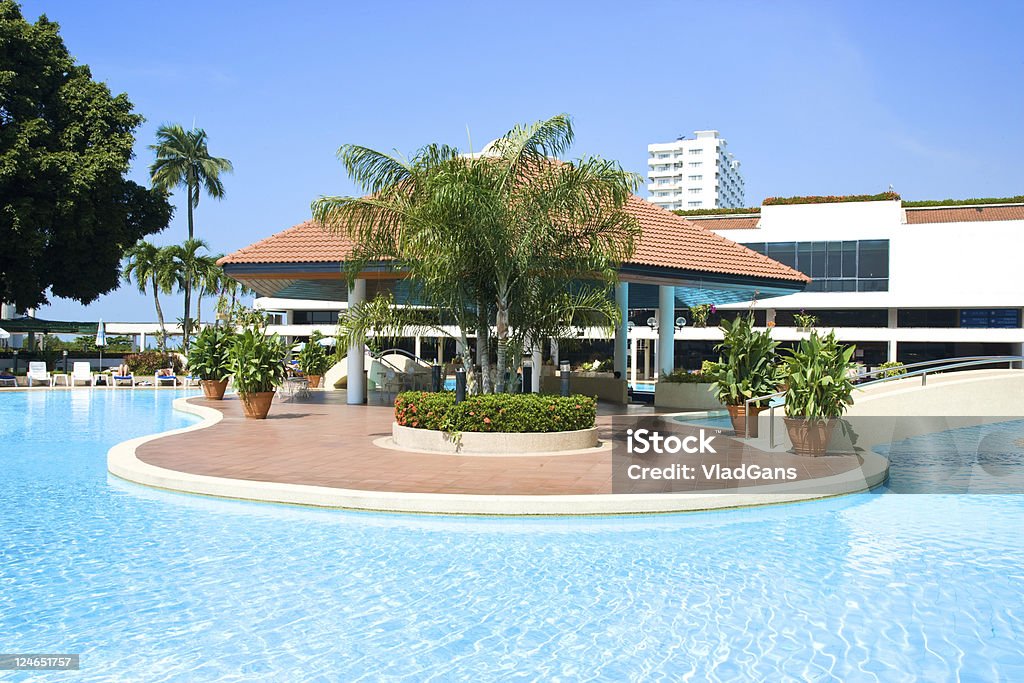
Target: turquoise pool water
x,y
155,586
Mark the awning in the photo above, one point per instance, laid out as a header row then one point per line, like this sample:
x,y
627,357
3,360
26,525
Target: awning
x,y
27,325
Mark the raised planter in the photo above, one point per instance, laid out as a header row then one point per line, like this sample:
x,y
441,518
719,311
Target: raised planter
x,y
214,389
314,381
492,443
688,396
257,405
738,415
809,437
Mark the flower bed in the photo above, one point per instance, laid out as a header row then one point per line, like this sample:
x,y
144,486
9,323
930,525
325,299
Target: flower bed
x,y
508,413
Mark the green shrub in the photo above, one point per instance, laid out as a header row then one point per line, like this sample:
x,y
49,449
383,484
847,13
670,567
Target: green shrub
x,y
148,362
313,358
257,362
685,377
209,357
818,378
892,368
495,412
1019,199
748,364
832,199
716,212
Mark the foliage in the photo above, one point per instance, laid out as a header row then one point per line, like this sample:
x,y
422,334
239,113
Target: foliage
x,y
892,368
700,313
717,212
257,361
190,267
118,343
314,359
67,212
148,362
748,364
152,268
805,320
510,240
495,412
684,377
817,375
1019,199
183,160
210,355
833,199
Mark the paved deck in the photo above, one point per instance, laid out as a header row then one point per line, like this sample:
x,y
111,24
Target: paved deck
x,y
323,442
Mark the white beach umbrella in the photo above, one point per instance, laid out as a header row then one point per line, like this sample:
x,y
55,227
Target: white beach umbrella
x,y
101,340
4,334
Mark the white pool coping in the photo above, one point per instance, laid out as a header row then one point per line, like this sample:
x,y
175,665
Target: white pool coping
x,y
123,462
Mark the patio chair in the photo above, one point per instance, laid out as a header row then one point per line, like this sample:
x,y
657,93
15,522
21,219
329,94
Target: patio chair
x,y
81,371
122,376
37,373
7,379
162,379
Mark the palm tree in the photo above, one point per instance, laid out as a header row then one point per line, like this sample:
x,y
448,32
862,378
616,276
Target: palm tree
x,y
183,160
150,266
511,238
189,266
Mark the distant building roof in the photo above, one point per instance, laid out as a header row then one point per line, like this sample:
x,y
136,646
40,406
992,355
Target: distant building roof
x,y
712,222
965,214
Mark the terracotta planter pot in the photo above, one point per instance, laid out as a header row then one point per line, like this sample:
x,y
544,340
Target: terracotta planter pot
x,y
738,415
809,437
213,389
314,381
257,405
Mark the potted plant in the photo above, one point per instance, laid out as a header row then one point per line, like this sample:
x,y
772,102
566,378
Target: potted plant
x,y
257,362
804,322
747,367
819,390
209,359
313,360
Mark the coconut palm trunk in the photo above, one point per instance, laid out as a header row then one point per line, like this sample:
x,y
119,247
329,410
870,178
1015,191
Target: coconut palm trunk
x,y
159,316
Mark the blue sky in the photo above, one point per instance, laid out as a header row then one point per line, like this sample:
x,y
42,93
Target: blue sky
x,y
814,98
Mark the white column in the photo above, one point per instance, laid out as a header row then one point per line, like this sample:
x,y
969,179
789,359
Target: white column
x,y
418,348
666,329
142,341
356,376
892,350
647,359
622,329
440,350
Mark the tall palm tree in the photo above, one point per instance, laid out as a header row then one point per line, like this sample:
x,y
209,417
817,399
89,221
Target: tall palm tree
x,y
209,277
183,160
189,266
151,268
497,238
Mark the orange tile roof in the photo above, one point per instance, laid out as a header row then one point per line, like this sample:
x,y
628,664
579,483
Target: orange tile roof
x,y
965,214
667,240
725,222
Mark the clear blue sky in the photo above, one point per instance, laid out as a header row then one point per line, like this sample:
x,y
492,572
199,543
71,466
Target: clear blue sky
x,y
813,97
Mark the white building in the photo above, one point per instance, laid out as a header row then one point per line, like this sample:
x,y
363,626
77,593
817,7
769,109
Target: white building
x,y
907,284
697,173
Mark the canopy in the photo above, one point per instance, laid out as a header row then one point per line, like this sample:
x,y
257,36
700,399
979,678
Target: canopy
x,y
4,334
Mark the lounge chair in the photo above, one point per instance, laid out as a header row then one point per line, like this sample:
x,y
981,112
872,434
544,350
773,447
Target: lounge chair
x,y
172,378
81,371
117,377
7,379
38,374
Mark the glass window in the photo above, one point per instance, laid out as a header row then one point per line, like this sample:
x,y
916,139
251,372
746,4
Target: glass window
x,y
817,259
874,259
834,260
783,252
850,259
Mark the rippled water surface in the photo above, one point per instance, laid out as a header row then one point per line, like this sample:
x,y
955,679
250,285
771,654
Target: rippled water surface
x,y
156,586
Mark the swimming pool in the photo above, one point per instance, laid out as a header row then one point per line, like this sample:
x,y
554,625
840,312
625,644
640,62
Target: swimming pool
x,y
156,586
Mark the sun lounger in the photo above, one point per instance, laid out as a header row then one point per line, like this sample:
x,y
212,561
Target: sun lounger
x,y
81,371
162,379
38,374
8,380
116,379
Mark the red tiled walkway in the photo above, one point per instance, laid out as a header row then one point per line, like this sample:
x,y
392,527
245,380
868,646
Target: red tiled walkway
x,y
323,442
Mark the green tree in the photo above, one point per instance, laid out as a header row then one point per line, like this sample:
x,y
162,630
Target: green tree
x,y
183,160
67,213
189,266
511,238
151,267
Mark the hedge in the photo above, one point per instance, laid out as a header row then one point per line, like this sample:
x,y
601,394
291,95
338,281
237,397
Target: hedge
x,y
495,412
685,377
1019,199
716,212
833,199
148,362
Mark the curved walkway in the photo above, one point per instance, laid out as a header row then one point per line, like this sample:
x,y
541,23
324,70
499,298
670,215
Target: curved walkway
x,y
322,452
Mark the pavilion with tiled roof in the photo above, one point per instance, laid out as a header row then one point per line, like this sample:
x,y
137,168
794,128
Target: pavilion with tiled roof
x,y
676,263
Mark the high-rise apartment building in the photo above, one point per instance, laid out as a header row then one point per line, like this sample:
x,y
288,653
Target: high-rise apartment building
x,y
694,173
